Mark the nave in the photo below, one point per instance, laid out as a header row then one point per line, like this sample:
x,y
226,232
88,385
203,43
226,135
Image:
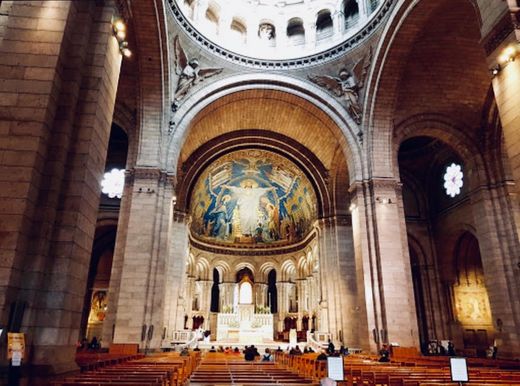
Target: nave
x,y
197,368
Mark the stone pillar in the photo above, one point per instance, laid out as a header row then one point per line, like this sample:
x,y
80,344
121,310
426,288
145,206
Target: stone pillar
x,y
282,40
493,209
338,280
205,299
261,294
144,297
339,23
381,249
59,68
507,94
310,34
199,12
364,11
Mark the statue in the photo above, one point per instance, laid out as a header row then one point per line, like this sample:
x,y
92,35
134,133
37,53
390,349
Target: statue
x,y
347,85
266,31
190,73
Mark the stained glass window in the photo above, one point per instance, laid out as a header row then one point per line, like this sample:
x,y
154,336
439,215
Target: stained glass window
x,y
453,180
113,183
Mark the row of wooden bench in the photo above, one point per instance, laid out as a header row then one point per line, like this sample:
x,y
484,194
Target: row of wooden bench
x,y
364,370
168,369
222,369
92,361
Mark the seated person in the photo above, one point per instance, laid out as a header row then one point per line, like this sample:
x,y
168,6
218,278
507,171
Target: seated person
x,y
384,354
322,356
296,351
255,350
330,347
184,352
212,349
279,349
343,350
267,357
249,354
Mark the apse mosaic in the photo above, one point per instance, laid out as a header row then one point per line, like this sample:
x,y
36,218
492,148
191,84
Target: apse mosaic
x,y
253,196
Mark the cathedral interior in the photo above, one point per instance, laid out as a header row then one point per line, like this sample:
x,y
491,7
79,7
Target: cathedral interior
x,y
345,169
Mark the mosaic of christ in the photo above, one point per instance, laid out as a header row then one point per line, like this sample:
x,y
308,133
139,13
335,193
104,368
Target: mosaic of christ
x,y
253,196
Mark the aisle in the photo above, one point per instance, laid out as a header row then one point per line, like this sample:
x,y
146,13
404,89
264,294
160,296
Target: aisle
x,y
217,369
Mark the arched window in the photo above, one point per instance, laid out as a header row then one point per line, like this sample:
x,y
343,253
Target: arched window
x,y
238,32
372,5
246,293
215,292
351,12
324,24
272,294
212,21
295,31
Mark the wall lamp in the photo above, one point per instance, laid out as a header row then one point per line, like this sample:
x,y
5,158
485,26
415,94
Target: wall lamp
x,y
352,207
119,30
508,55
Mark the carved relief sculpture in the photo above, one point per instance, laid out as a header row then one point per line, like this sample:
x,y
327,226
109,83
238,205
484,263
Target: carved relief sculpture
x,y
347,85
189,71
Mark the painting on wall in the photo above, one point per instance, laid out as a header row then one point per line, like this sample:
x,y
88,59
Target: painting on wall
x,y
98,306
253,196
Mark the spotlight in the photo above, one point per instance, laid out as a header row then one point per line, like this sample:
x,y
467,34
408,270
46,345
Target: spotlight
x,y
352,207
126,52
508,54
119,26
121,35
495,70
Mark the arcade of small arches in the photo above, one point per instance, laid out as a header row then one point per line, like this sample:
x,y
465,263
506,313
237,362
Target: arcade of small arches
x,y
286,286
279,30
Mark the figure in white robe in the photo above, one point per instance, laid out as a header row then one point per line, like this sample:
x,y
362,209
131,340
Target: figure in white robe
x,y
248,201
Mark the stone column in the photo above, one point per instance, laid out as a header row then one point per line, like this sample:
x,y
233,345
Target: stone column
x,y
339,22
205,299
261,294
381,249
199,12
144,297
364,11
58,78
507,93
310,34
494,208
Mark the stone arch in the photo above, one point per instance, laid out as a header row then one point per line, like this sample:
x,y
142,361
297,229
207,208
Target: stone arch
x,y
152,57
264,270
203,268
288,270
331,113
444,129
409,20
246,264
223,268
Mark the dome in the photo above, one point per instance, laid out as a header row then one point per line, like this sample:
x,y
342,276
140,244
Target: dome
x,y
252,197
275,30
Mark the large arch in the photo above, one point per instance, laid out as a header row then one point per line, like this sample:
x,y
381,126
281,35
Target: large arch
x,y
290,95
395,68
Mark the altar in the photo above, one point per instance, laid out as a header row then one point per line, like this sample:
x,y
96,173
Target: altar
x,y
245,326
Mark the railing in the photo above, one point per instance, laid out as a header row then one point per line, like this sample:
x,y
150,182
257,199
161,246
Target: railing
x,y
181,339
314,344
